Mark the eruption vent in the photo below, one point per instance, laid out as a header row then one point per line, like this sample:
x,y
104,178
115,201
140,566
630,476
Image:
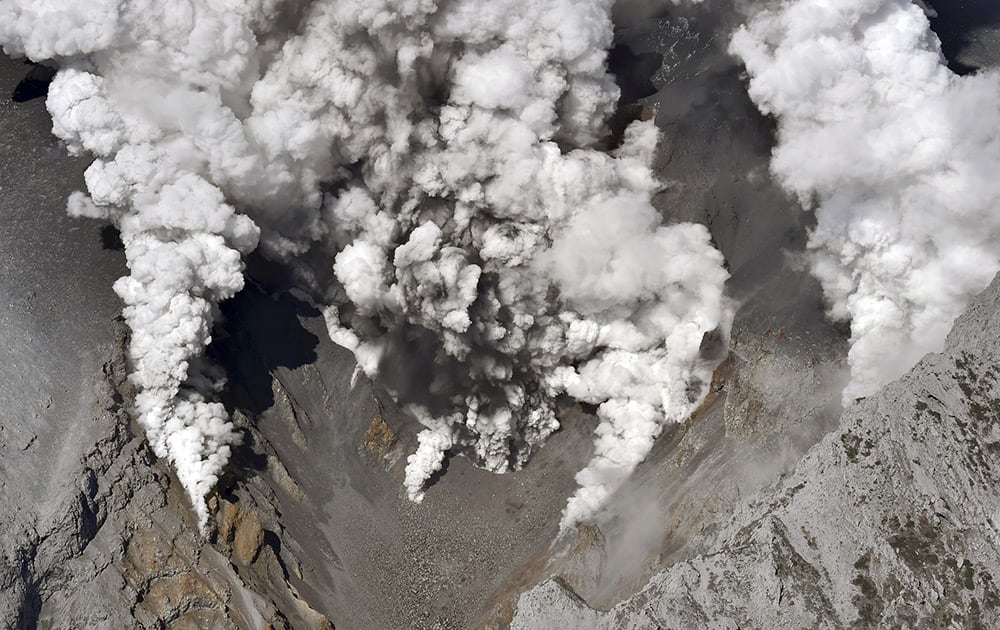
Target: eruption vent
x,y
437,170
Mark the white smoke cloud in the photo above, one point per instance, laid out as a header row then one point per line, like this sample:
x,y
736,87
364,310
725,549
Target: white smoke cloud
x,y
141,87
539,271
445,157
897,155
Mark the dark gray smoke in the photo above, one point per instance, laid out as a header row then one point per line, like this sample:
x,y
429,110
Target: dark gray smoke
x,y
439,169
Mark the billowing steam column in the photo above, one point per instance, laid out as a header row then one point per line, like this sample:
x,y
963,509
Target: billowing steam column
x,y
141,91
897,156
489,241
447,161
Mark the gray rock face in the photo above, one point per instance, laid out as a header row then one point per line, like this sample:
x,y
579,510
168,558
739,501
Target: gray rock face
x,y
891,521
313,510
312,527
94,532
112,545
777,394
322,469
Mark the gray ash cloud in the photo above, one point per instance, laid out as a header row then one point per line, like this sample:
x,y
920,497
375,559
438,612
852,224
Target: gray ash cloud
x,y
437,169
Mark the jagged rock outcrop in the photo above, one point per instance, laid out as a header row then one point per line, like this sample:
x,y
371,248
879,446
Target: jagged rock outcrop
x,y
889,522
312,510
894,523
776,395
94,531
312,524
120,548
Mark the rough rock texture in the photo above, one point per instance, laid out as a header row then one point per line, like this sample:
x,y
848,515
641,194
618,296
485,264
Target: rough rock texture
x,y
118,548
891,521
312,510
773,400
312,529
95,533
322,467
777,394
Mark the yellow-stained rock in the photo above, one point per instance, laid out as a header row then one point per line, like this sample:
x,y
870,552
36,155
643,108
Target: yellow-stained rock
x,y
241,530
379,438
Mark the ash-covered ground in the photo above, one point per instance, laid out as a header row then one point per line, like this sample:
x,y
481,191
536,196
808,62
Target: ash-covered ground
x,y
369,557
313,524
57,298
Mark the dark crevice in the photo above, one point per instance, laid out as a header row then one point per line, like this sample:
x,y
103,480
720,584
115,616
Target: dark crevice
x,y
258,334
34,85
111,239
956,21
633,72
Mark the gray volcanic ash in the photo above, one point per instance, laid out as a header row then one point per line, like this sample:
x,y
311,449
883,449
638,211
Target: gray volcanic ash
x,y
444,160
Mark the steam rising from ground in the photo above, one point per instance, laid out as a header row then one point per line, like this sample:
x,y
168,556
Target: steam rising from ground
x,y
441,160
899,157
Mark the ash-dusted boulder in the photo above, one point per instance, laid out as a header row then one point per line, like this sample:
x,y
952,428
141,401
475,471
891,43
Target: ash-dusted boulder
x,y
891,521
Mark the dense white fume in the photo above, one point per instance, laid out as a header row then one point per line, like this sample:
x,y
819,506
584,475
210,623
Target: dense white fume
x,y
896,154
450,162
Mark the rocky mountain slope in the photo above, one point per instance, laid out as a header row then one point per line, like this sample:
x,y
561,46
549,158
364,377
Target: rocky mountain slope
x,y
890,522
311,528
97,532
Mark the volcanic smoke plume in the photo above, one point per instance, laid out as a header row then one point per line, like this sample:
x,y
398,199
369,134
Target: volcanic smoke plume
x,y
440,171
898,157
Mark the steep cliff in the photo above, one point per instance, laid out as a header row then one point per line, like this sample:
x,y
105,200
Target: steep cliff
x,y
889,521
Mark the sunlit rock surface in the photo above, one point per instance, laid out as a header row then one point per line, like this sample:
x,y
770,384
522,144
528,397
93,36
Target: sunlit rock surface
x,y
889,522
886,520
